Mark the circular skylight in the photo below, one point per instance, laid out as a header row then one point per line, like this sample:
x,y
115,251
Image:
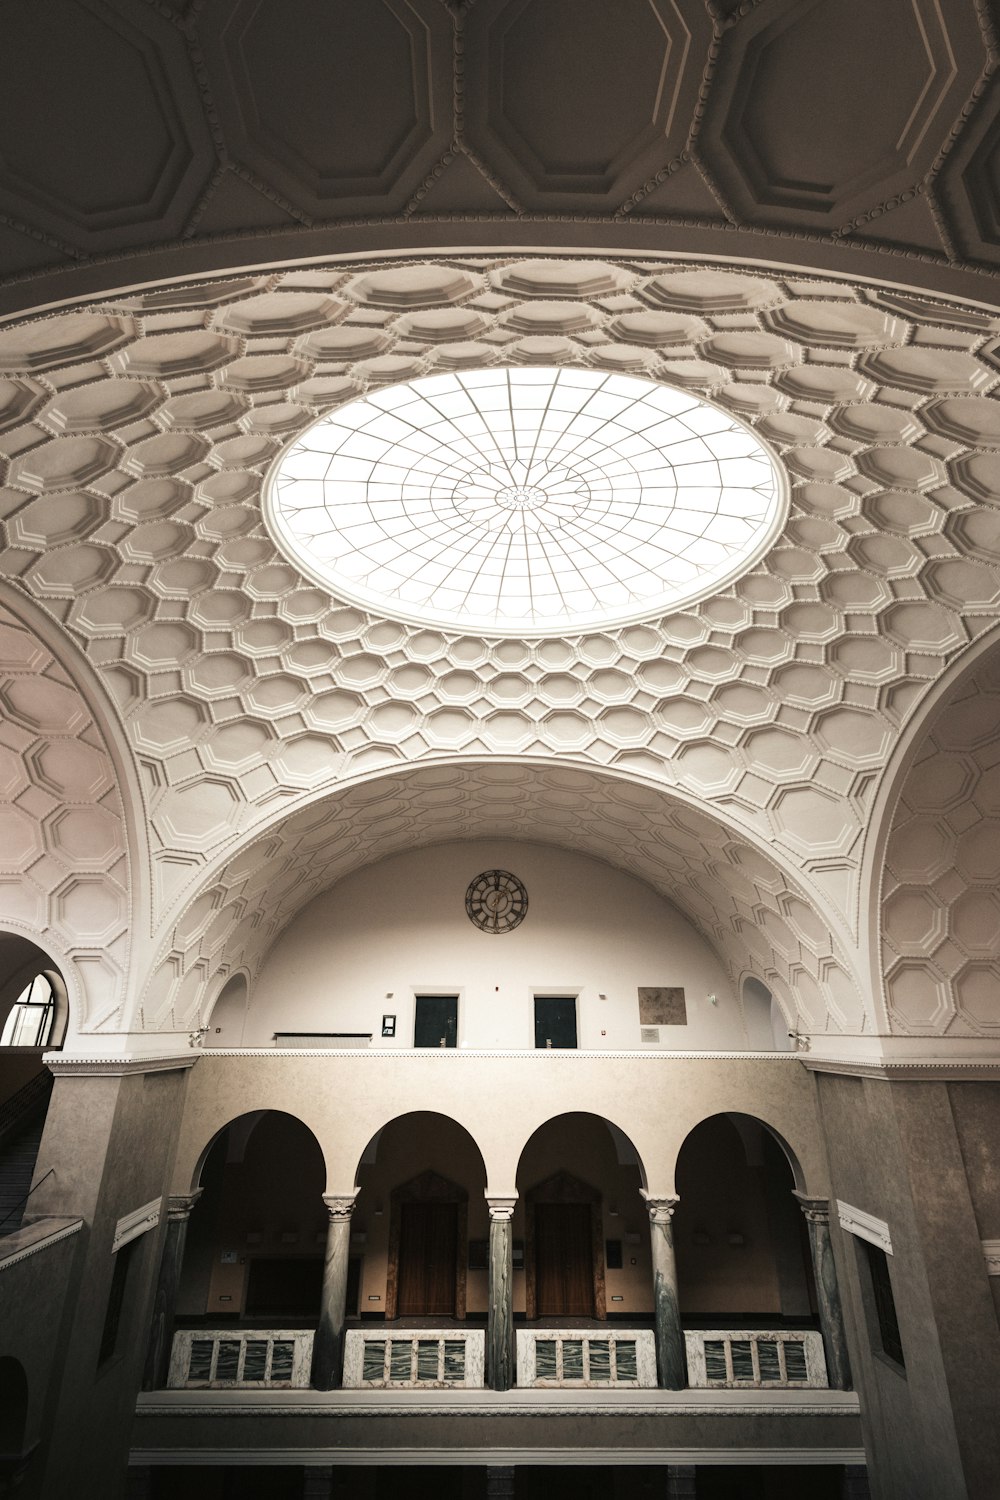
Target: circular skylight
x,y
525,502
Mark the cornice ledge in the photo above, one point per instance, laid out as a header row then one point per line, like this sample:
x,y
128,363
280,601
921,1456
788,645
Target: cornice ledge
x,y
449,1054
148,1405
34,1236
90,1066
931,1071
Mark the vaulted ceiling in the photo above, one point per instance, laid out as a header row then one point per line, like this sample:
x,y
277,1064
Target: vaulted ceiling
x,y
140,139
722,197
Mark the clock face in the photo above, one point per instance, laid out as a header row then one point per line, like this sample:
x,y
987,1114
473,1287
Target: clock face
x,y
496,901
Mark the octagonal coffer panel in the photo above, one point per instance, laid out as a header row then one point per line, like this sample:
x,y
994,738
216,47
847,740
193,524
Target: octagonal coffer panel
x,y
525,501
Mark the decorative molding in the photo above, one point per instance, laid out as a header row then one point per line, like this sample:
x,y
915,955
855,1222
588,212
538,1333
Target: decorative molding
x,y
864,1226
932,1071
450,1055
115,1066
379,1404
563,1457
991,1255
42,1243
501,1206
138,1222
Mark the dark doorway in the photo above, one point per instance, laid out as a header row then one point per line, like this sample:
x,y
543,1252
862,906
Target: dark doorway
x,y
555,1020
564,1265
353,1286
436,1021
428,1258
284,1287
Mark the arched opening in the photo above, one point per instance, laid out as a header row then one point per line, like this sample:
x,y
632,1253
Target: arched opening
x,y
740,1238
255,1243
767,1030
420,1225
33,1002
228,1014
33,1017
13,1416
582,1225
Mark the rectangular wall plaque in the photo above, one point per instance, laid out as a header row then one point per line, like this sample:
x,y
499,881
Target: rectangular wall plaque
x,y
662,1007
388,1025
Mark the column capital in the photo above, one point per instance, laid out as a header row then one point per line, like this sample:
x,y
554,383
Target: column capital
x,y
816,1210
660,1210
501,1206
339,1205
179,1205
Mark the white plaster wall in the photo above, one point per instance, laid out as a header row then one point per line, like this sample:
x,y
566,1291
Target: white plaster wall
x,y
399,928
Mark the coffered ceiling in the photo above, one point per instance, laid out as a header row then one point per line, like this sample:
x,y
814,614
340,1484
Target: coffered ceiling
x,y
145,138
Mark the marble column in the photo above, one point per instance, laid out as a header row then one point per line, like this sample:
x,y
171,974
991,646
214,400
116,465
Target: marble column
x,y
500,1353
671,1362
328,1346
831,1313
171,1262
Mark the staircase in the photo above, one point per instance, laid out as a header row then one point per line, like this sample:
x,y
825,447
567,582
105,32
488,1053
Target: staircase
x,y
22,1120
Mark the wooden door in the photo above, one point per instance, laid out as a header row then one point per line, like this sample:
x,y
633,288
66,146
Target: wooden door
x,y
428,1258
564,1261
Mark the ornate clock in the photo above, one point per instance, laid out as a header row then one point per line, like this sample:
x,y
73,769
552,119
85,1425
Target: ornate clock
x,y
496,901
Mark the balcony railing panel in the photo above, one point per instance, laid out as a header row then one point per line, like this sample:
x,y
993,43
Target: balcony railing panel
x,y
741,1360
418,1359
233,1359
560,1357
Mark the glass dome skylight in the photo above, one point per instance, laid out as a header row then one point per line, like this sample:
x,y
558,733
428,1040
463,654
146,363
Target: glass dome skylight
x,y
525,502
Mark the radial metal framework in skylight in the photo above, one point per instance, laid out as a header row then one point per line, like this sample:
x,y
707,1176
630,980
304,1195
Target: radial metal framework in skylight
x,y
525,502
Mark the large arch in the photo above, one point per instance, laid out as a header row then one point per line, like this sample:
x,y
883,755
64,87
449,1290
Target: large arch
x,y
755,911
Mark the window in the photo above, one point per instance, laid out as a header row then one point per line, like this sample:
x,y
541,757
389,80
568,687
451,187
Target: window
x,y
883,1302
30,1020
435,1022
526,500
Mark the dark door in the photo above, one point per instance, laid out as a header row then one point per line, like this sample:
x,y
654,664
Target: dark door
x,y
428,1258
436,1021
555,1021
564,1261
284,1288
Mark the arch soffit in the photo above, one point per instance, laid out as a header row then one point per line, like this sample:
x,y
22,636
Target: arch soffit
x,y
931,871
746,901
74,845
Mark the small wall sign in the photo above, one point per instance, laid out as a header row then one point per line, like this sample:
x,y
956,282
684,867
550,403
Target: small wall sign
x,y
388,1025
